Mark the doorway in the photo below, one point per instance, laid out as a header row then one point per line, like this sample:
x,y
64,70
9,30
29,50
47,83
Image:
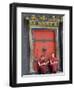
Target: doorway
x,y
43,38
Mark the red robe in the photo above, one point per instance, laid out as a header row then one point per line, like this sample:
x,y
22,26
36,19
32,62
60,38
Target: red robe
x,y
43,68
54,64
37,66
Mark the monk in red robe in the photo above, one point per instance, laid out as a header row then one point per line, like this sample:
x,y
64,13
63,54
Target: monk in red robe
x,y
53,63
43,62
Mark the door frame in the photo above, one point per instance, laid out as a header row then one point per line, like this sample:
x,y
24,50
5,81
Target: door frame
x,y
31,44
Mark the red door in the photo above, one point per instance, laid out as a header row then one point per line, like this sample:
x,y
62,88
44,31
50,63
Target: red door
x,y
43,39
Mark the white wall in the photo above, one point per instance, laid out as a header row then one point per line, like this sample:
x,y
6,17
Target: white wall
x,y
4,43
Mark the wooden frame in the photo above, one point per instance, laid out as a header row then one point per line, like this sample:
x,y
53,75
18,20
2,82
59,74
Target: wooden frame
x,y
13,44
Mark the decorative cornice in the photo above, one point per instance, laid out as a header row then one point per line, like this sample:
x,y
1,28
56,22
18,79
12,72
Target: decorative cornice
x,y
44,21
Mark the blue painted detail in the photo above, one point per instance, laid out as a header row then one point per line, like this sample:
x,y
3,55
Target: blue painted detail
x,y
40,29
